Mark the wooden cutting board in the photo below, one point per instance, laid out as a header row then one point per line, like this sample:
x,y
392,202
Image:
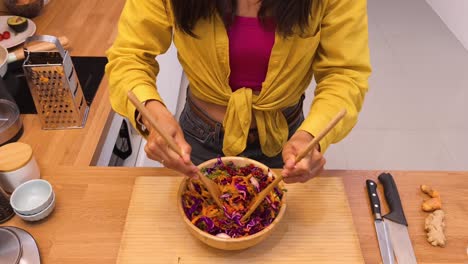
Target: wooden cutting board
x,y
317,228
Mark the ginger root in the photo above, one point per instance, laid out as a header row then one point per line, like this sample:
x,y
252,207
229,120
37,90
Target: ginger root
x,y
434,203
434,227
429,191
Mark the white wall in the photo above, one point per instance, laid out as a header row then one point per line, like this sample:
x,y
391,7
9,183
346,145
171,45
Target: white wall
x,y
454,13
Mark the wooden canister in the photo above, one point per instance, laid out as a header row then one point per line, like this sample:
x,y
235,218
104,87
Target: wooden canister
x,y
17,165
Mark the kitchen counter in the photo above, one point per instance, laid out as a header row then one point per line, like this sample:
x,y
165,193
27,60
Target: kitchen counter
x,y
91,206
453,188
91,28
92,203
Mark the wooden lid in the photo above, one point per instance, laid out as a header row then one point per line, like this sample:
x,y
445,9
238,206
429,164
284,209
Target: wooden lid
x,y
14,156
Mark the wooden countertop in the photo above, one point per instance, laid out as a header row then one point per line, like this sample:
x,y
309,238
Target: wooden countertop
x,y
89,217
91,27
453,188
92,203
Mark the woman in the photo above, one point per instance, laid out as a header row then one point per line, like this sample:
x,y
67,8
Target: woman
x,y
248,64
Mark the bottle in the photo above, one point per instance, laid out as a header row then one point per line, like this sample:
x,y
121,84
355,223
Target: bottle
x,y
6,211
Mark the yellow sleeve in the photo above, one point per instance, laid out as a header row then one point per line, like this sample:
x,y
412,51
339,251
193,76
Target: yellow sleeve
x,y
144,31
341,68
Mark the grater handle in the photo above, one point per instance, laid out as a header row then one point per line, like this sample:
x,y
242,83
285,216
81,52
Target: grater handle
x,y
44,38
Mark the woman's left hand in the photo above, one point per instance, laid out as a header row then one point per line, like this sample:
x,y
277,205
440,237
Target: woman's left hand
x,y
310,166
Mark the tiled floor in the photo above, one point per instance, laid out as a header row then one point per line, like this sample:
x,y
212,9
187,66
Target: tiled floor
x,y
415,115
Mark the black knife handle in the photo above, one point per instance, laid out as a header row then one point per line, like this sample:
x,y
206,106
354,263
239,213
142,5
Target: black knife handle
x,y
396,213
374,199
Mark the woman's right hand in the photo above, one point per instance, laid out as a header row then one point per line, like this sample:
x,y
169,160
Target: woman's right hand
x,y
157,149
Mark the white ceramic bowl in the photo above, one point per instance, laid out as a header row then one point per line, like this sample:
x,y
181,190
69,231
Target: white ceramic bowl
x,y
32,197
41,215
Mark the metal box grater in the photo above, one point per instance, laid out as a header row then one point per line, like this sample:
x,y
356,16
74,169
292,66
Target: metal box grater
x,y
54,86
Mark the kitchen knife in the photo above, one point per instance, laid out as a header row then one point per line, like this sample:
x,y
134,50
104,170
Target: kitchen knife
x,y
396,222
381,228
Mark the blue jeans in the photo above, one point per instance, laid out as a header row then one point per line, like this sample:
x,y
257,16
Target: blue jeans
x,y
206,139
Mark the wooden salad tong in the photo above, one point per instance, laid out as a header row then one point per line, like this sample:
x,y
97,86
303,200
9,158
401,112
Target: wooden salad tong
x,y
212,187
261,196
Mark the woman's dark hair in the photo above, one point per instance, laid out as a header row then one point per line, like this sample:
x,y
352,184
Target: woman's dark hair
x,y
289,15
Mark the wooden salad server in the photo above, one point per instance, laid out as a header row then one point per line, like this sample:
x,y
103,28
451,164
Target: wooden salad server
x,y
212,187
261,196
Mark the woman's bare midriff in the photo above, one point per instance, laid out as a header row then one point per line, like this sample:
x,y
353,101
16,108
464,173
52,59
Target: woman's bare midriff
x,y
246,8
214,111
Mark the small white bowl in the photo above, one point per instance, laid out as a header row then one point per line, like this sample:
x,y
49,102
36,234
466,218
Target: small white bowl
x,y
32,197
41,215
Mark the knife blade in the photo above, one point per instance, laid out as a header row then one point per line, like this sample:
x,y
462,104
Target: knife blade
x,y
396,221
381,228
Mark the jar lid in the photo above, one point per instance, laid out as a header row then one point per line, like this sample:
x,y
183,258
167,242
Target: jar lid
x,y
14,156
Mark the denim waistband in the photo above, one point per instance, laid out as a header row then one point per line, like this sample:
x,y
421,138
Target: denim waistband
x,y
292,113
205,135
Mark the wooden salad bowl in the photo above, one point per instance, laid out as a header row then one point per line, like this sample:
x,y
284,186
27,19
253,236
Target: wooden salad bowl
x,y
230,243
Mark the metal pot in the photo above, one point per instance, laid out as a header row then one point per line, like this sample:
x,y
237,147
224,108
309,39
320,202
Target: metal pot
x,y
11,249
11,127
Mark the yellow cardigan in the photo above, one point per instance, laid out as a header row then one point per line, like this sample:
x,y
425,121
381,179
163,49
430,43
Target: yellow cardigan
x,y
334,49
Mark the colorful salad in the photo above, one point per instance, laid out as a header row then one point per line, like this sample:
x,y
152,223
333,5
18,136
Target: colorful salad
x,y
239,186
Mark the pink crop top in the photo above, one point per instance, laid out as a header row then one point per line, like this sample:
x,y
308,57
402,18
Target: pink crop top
x,y
250,45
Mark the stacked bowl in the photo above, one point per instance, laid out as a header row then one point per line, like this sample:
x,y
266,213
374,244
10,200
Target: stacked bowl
x,y
33,200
